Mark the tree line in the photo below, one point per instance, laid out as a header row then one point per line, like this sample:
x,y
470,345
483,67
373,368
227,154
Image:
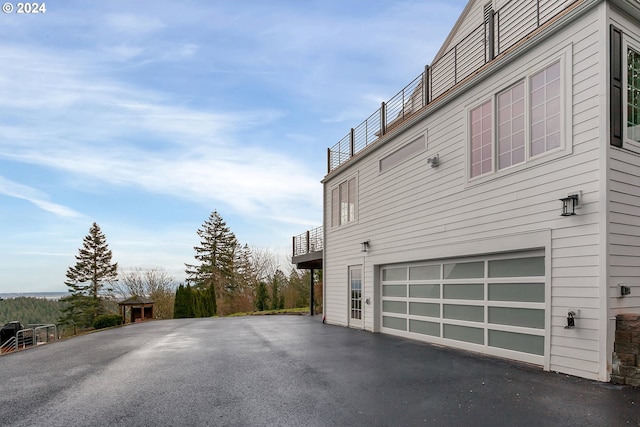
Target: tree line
x,y
226,277
229,277
30,310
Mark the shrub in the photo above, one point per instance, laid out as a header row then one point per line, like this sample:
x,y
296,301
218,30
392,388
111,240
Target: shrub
x,y
107,321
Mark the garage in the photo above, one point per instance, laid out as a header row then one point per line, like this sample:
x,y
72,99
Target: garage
x,y
491,304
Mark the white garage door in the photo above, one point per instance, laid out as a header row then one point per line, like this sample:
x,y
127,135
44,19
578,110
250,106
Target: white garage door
x,y
494,305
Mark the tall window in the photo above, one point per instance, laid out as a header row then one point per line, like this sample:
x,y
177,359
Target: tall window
x,y
343,203
481,160
544,91
633,95
511,126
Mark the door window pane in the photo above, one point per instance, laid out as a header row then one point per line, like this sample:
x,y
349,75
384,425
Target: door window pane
x,y
464,270
389,274
517,267
424,309
532,344
463,312
525,317
471,291
394,323
394,290
429,272
464,333
399,307
425,328
424,291
521,292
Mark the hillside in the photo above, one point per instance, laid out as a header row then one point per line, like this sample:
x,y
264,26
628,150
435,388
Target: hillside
x,y
29,310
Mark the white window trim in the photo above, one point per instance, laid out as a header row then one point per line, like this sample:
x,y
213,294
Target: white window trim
x,y
563,55
627,43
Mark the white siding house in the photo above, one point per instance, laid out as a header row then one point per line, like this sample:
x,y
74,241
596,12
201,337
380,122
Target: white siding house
x,y
444,224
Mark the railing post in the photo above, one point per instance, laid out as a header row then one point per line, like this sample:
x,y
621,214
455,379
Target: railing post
x,y
491,36
293,247
425,85
383,119
307,241
328,160
352,142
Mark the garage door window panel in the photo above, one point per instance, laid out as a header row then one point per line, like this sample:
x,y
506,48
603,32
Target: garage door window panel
x,y
424,291
424,328
424,309
464,333
532,344
517,292
525,317
473,291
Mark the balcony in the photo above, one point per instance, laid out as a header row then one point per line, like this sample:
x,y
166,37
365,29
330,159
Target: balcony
x,y
501,31
308,250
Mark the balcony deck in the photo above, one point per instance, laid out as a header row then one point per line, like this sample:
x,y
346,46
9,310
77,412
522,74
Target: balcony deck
x,y
308,250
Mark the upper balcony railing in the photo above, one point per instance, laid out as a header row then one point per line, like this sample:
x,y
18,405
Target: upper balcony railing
x,y
499,31
310,241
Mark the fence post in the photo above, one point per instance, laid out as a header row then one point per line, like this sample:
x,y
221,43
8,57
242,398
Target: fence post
x,y
352,142
293,247
491,35
328,160
425,85
383,119
307,241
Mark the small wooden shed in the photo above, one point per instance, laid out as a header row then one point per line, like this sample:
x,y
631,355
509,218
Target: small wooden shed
x,y
140,309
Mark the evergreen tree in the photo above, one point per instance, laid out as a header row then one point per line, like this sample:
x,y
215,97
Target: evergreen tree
x,y
89,280
214,271
262,300
277,282
180,305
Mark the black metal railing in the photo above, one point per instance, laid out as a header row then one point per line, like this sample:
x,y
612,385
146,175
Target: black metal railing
x,y
310,241
499,32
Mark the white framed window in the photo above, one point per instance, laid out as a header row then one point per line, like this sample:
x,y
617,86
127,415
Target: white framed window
x,y
511,126
528,121
343,202
544,101
632,94
481,139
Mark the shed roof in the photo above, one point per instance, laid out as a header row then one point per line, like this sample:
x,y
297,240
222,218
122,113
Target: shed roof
x,y
134,300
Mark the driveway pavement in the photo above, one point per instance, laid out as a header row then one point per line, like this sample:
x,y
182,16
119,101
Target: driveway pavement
x,y
288,371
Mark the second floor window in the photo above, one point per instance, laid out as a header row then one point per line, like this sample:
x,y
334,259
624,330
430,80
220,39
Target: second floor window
x,y
343,202
530,110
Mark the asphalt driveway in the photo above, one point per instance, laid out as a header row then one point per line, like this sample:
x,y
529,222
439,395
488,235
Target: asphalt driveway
x,y
288,371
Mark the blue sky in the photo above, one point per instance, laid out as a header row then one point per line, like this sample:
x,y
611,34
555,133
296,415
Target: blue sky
x,y
146,116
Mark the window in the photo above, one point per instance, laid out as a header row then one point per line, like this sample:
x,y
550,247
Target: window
x,y
544,90
633,95
511,126
343,203
527,119
481,161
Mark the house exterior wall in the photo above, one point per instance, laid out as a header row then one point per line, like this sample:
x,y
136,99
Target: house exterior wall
x,y
412,212
623,219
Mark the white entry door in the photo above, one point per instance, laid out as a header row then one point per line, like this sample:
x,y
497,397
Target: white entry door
x,y
355,296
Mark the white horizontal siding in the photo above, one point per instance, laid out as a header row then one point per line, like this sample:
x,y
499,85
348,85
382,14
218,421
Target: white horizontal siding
x,y
415,210
624,230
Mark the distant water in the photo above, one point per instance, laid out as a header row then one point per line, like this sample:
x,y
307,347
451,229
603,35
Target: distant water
x,y
46,295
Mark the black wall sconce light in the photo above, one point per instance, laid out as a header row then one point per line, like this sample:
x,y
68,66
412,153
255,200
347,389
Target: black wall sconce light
x,y
570,204
364,246
434,161
571,321
624,290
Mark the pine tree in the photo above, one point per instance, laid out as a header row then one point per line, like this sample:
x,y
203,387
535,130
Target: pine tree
x,y
214,271
180,304
89,280
261,297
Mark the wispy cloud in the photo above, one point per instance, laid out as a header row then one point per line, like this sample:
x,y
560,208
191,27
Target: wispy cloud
x,y
38,198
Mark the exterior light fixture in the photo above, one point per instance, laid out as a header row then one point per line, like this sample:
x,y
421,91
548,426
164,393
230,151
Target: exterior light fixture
x,y
624,290
571,321
569,204
434,161
364,246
